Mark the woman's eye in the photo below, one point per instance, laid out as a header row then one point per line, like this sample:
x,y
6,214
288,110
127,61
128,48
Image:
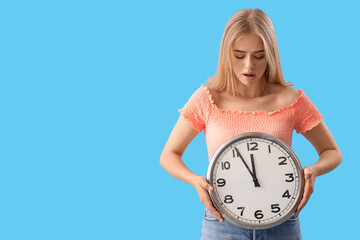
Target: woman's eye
x,y
238,57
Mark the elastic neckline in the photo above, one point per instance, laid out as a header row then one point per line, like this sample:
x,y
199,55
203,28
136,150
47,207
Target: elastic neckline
x,y
250,112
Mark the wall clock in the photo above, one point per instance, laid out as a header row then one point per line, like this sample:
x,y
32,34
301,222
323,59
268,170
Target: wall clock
x,y
257,179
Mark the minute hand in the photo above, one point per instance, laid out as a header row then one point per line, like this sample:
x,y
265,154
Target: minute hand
x,y
247,167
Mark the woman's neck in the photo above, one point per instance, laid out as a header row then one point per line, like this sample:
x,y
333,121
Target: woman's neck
x,y
257,90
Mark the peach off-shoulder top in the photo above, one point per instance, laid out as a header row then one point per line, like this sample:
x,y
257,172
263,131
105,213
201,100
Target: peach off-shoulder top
x,y
220,125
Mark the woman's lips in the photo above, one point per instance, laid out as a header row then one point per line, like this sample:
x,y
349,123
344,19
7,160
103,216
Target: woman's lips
x,y
249,76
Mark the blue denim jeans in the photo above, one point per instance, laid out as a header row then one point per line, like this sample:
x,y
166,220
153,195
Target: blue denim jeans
x,y
213,229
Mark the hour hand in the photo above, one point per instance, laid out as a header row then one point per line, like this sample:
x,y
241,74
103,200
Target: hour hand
x,y
256,182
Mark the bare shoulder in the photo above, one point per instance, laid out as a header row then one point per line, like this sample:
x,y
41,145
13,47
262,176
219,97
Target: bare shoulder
x,y
216,96
291,92
286,95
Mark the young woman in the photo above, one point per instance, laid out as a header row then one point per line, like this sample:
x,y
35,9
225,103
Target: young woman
x,y
248,93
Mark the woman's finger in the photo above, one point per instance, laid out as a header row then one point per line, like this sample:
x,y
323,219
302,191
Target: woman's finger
x,y
204,184
308,190
205,198
214,212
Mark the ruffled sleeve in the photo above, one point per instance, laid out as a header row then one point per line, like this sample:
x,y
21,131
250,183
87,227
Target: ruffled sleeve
x,y
307,115
197,109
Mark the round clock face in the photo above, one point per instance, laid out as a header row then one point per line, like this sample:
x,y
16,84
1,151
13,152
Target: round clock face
x,y
257,180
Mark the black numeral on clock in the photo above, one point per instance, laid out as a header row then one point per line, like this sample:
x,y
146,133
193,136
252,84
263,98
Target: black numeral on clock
x,y
225,165
258,214
275,208
283,162
242,210
254,146
291,177
221,182
228,199
286,194
235,153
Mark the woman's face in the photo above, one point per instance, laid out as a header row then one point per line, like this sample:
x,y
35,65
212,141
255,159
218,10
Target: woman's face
x,y
249,60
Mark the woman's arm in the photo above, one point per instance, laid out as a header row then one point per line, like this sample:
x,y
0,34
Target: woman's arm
x,y
182,134
170,159
329,158
325,145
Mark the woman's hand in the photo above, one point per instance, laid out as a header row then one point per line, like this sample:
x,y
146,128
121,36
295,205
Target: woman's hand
x,y
202,187
310,175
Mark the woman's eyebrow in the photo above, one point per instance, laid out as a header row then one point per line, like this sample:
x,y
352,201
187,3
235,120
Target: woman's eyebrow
x,y
245,52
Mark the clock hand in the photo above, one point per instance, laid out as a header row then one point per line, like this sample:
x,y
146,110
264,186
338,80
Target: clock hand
x,y
242,159
254,171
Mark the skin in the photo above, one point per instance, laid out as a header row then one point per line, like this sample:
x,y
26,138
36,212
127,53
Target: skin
x,y
257,95
247,58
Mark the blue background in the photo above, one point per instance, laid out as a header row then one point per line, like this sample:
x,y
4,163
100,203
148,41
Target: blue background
x,y
89,95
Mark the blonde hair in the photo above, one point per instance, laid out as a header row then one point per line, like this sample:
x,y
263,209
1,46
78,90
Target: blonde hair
x,y
244,22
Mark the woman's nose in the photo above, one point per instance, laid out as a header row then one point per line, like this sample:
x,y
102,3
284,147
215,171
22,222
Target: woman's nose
x,y
249,63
